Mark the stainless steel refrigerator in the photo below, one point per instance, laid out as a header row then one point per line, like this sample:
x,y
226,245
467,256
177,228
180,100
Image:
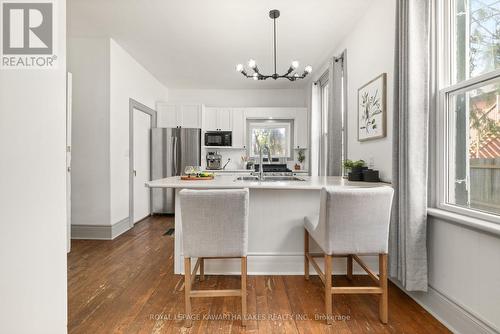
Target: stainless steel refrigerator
x,y
172,150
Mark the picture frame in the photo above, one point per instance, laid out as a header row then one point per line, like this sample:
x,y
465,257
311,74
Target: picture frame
x,y
372,109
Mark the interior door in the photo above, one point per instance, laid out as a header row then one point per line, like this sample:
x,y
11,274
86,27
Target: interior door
x,y
142,164
69,94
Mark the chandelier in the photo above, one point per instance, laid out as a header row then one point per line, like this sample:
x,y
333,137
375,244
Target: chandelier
x,y
291,74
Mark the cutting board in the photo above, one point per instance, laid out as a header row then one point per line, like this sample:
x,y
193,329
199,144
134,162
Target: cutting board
x,y
196,178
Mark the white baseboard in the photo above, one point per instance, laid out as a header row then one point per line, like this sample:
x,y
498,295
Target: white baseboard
x,y
450,314
100,232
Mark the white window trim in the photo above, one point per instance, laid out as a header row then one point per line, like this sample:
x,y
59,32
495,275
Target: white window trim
x,y
444,72
443,146
270,123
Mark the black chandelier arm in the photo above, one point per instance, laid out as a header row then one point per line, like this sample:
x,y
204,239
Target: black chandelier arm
x,y
275,76
256,75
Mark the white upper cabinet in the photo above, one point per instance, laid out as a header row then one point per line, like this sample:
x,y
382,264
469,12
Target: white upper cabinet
x,y
179,115
224,119
218,119
191,115
301,125
167,115
239,127
210,119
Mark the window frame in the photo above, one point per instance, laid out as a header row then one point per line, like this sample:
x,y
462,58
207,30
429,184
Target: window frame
x,y
289,123
445,74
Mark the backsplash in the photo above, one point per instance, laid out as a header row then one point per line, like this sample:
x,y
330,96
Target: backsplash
x,y
234,155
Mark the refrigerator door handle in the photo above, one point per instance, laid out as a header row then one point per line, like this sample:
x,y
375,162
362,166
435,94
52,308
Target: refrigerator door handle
x,y
174,160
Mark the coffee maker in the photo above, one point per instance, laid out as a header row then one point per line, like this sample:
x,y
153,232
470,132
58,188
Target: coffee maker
x,y
214,160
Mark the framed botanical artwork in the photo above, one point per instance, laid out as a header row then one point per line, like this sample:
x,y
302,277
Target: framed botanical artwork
x,y
372,109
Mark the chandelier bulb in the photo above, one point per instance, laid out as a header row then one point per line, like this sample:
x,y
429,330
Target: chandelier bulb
x,y
308,69
239,68
252,63
295,64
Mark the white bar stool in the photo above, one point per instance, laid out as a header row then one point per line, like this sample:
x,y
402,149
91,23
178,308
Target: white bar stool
x,y
214,226
351,222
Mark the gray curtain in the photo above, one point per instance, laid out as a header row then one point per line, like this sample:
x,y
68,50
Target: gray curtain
x,y
334,144
412,83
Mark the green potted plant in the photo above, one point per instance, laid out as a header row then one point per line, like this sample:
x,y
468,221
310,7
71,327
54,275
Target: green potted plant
x,y
357,166
301,157
354,166
348,165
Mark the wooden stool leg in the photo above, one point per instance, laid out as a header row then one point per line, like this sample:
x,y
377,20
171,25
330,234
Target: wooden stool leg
x,y
383,302
187,290
243,290
202,269
306,254
349,267
328,289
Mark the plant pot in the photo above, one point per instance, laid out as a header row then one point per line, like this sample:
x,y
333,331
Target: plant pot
x,y
358,170
355,176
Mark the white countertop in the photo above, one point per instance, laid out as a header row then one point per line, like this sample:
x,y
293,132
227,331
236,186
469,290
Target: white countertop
x,y
245,171
229,181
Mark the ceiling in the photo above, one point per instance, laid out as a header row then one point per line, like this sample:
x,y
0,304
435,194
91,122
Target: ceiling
x,y
197,43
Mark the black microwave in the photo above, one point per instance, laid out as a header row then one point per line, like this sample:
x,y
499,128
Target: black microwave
x,y
218,138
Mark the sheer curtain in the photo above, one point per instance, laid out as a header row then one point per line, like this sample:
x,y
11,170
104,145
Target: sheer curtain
x,y
412,82
335,116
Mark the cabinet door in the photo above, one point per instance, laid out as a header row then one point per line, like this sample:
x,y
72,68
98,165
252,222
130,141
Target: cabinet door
x,y
301,129
210,119
239,128
224,122
191,115
168,115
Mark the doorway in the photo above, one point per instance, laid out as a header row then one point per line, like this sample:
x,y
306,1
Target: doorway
x,y
142,120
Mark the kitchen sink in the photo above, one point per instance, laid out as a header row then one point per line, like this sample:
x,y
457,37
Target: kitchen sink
x,y
282,178
269,178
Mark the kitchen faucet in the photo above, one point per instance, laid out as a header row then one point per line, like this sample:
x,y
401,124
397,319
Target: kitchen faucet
x,y
261,157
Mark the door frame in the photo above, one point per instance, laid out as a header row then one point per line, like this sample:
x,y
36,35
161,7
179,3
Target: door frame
x,y
133,104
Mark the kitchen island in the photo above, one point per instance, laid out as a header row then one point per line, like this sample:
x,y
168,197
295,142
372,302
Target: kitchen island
x,y
275,224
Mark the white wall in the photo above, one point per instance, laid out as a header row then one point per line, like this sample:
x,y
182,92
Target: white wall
x,y
128,79
463,267
33,196
88,60
105,76
240,97
370,52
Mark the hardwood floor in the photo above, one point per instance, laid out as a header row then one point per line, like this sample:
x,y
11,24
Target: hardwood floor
x,y
127,286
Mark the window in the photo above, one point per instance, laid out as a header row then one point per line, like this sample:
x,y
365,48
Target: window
x,y
277,134
469,108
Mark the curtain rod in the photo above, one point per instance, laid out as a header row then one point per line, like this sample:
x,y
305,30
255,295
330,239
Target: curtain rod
x,y
335,59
